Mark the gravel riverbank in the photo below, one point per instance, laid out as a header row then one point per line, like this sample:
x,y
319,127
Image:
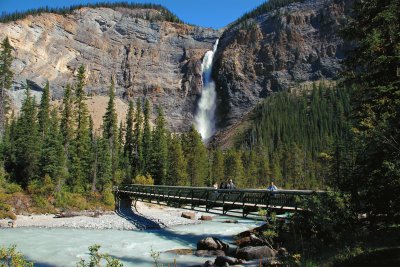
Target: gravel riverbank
x,y
147,213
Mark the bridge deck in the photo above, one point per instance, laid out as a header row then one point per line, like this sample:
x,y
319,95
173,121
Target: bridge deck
x,y
247,200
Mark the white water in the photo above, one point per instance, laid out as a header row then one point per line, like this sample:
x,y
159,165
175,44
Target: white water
x,y
205,116
65,247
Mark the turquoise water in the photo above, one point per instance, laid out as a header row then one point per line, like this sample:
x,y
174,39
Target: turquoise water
x,y
65,247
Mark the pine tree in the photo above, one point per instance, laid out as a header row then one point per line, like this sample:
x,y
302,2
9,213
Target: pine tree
x,y
110,128
6,77
138,141
217,166
67,120
129,145
81,148
160,149
234,168
196,155
146,143
176,167
372,68
53,160
27,145
44,111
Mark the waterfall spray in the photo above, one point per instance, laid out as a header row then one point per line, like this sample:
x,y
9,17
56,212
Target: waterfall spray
x,y
205,115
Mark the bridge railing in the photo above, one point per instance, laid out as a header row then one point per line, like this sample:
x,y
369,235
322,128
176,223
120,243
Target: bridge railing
x,y
245,199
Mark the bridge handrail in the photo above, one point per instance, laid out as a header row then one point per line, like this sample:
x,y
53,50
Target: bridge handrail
x,y
280,191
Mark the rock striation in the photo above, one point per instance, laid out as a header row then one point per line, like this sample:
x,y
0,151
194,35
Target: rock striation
x,y
147,57
277,51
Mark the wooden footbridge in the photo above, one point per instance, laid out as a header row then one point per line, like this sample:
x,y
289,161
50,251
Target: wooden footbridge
x,y
243,201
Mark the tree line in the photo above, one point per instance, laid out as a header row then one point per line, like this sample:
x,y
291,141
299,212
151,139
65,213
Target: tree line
x,y
165,13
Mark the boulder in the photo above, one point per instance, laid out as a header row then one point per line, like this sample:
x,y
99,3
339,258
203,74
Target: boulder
x,y
251,240
208,263
211,243
180,251
189,215
230,221
253,253
225,261
209,253
206,218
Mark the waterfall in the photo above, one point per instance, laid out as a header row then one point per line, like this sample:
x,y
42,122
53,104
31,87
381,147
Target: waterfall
x,y
205,115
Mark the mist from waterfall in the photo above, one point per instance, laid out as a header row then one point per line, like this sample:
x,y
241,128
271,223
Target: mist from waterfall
x,y
205,115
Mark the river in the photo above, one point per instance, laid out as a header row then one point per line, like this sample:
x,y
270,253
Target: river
x,y
65,247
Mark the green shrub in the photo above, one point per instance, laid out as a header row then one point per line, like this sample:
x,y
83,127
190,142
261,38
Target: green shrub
x,y
96,258
143,180
12,188
10,257
329,218
67,200
108,197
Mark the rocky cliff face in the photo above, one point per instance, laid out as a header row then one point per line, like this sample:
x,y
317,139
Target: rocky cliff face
x,y
277,51
157,59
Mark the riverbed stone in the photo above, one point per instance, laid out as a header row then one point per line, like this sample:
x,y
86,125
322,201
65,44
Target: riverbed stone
x,y
211,243
209,253
206,218
226,261
252,253
189,215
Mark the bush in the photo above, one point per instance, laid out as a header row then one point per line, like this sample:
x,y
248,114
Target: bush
x,y
10,257
96,258
12,188
328,218
67,200
108,196
143,180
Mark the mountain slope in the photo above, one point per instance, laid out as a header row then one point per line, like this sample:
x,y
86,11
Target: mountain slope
x,y
276,51
146,56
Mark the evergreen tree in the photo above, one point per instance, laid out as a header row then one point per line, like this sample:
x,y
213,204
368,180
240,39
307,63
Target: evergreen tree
x,y
67,120
176,167
110,128
160,149
196,155
373,69
129,146
234,168
146,143
217,166
53,161
44,111
138,140
27,145
6,77
81,147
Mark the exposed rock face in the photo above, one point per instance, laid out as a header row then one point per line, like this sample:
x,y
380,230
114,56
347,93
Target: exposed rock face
x,y
276,51
156,59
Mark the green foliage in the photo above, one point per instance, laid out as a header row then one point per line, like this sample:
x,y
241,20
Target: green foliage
x,y
110,129
160,149
129,146
371,68
146,138
288,133
96,259
27,143
6,77
329,220
176,168
164,14
108,196
196,155
144,180
10,257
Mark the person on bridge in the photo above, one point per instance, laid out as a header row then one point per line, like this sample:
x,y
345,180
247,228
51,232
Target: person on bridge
x,y
231,185
223,185
272,187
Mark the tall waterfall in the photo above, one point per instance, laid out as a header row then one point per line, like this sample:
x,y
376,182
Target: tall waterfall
x,y
205,115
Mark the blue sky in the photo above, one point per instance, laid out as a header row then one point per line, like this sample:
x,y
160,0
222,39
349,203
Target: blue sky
x,y
208,13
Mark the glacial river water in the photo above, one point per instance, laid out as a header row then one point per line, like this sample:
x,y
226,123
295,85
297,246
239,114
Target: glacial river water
x,y
65,247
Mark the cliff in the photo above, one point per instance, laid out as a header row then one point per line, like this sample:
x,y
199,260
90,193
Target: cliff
x,y
277,51
146,56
